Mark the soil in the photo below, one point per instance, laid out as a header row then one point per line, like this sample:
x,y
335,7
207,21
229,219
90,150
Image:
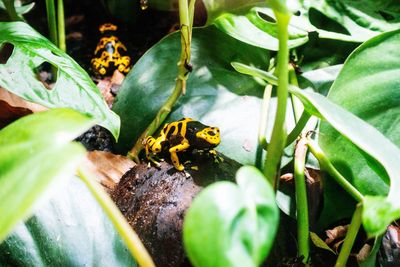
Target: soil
x,y
154,201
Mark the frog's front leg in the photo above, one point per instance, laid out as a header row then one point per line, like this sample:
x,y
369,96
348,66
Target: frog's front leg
x,y
99,65
178,148
153,146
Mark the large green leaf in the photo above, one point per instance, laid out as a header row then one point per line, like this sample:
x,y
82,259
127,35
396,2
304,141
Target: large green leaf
x,y
216,94
69,229
73,89
251,28
378,211
350,21
321,79
34,151
126,10
368,86
232,225
379,153
361,19
19,7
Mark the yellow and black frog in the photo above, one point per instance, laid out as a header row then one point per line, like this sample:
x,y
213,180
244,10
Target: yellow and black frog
x,y
183,135
110,53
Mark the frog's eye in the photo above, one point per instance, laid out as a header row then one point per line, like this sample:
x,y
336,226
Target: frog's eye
x,y
212,133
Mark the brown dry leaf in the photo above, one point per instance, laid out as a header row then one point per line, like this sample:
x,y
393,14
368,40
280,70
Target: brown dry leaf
x,y
107,167
12,107
314,193
109,86
74,36
364,252
287,177
336,236
73,20
117,78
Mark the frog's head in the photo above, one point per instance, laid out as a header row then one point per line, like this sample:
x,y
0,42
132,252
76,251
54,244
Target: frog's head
x,y
209,135
107,27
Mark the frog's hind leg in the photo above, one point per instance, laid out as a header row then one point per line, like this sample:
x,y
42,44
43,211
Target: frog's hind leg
x,y
178,148
124,64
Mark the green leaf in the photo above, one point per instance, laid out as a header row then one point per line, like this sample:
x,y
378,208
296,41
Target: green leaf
x,y
216,94
361,19
368,86
318,242
253,29
34,151
68,229
362,153
320,80
73,89
217,7
125,10
232,225
20,9
378,212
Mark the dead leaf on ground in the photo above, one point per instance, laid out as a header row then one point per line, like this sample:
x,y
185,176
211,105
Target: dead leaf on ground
x,y
364,253
287,177
314,191
13,107
110,86
107,167
339,232
74,36
336,236
73,20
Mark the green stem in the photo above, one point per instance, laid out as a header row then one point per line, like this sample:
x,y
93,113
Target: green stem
x,y
301,199
191,12
11,11
131,239
350,237
61,25
186,39
184,69
326,165
278,137
51,20
296,103
264,117
296,131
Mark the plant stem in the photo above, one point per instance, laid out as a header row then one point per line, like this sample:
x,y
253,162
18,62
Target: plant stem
x,y
301,199
11,11
160,117
350,237
61,25
325,164
131,239
264,117
296,103
191,13
184,70
51,20
278,137
300,125
184,67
